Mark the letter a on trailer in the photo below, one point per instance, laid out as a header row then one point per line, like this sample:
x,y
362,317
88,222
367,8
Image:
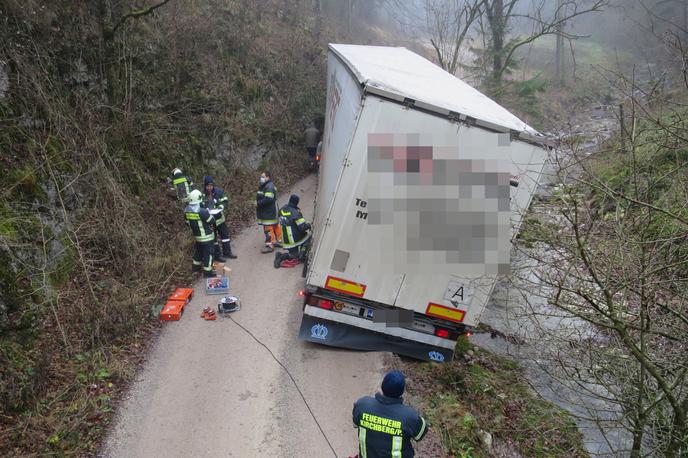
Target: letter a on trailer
x,y
424,181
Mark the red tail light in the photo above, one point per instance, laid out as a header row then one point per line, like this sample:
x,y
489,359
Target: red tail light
x,y
317,158
468,334
302,293
325,304
439,332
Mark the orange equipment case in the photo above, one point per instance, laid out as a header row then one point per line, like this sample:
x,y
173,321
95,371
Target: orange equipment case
x,y
174,308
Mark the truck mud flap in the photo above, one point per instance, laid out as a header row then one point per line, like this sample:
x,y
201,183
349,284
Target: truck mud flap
x,y
341,335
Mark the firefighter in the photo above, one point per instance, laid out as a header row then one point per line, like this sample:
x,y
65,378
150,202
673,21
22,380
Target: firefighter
x,y
182,184
266,212
385,425
295,234
215,199
311,138
202,225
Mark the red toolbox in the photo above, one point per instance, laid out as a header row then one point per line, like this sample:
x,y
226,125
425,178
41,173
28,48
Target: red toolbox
x,y
174,308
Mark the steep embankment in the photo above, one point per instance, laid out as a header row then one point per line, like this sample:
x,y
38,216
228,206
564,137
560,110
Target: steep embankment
x,y
97,104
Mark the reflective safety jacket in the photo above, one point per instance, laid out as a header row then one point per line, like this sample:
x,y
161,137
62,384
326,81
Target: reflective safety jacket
x,y
386,427
266,204
201,222
294,227
217,199
182,184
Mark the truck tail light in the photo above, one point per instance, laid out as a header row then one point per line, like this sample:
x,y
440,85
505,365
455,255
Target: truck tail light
x,y
444,333
468,334
311,300
325,304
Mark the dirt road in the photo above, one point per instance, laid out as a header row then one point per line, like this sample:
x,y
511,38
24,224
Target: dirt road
x,y
209,389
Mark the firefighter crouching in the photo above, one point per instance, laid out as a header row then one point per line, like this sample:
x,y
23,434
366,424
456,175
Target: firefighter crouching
x,y
295,234
182,184
385,425
202,225
266,212
215,199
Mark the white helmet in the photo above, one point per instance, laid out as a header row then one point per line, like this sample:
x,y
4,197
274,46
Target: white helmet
x,y
195,197
176,172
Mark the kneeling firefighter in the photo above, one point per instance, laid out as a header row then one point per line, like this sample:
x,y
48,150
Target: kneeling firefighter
x,y
202,226
295,234
215,198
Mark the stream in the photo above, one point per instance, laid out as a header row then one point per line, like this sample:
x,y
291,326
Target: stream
x,y
527,330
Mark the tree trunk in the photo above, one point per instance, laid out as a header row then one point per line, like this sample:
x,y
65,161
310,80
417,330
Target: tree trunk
x,y
498,32
349,6
560,45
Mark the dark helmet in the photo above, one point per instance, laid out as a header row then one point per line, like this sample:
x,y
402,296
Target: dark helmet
x,y
294,200
208,180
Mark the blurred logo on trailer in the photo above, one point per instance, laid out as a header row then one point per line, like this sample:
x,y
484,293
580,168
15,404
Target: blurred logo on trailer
x,y
319,331
436,356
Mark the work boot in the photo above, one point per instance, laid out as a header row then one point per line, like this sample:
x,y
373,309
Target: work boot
x,y
231,256
209,274
278,260
267,249
219,259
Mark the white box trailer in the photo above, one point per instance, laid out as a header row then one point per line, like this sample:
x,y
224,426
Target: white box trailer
x,y
424,182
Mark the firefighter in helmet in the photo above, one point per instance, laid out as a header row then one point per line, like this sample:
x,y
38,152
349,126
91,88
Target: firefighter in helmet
x,y
182,184
202,226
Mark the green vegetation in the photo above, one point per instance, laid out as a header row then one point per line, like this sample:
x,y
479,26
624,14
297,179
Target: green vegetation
x,y
90,241
483,396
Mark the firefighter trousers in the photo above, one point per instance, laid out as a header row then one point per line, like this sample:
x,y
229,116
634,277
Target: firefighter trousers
x,y
273,234
223,236
203,255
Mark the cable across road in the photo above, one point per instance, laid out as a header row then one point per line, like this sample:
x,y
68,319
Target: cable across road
x,y
296,385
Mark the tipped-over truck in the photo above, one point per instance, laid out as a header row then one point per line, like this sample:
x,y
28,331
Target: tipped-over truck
x,y
423,184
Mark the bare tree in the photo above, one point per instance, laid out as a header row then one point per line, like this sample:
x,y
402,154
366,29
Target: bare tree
x,y
449,22
611,254
500,14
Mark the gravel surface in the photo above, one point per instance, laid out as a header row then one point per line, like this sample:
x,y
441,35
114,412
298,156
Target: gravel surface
x,y
209,389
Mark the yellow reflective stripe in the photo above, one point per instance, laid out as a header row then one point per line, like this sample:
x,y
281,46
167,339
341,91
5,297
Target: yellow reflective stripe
x,y
283,213
422,429
362,442
290,236
179,181
193,216
300,220
205,238
269,194
267,222
396,447
288,244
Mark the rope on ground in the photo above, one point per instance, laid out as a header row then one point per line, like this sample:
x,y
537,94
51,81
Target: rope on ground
x,y
296,385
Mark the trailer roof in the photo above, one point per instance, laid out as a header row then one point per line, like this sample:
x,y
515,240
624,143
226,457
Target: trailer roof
x,y
403,74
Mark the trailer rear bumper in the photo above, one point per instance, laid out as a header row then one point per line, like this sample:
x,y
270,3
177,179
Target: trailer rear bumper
x,y
337,330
